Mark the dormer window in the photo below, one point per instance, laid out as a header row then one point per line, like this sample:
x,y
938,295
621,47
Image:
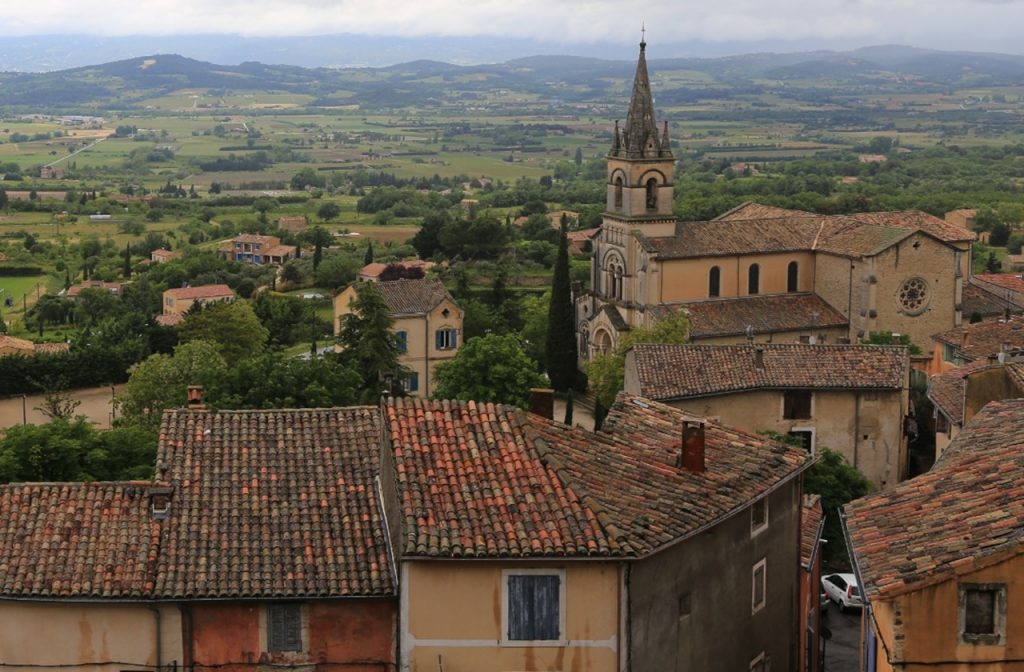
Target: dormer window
x,y
160,503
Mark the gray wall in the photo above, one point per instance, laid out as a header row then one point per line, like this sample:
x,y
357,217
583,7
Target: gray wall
x,y
715,569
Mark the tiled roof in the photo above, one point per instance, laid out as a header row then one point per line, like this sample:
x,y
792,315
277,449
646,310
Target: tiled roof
x,y
984,338
751,210
77,540
276,503
164,254
766,314
256,238
854,239
946,389
280,251
51,348
201,292
629,469
615,317
471,483
730,237
964,513
13,343
681,371
915,219
811,523
1011,281
985,302
411,297
172,320
112,287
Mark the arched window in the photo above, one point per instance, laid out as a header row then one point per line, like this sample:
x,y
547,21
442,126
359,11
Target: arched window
x,y
792,274
618,191
652,194
618,283
753,279
714,281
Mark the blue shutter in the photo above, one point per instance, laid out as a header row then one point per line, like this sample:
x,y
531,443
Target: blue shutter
x,y
414,382
455,339
533,607
439,340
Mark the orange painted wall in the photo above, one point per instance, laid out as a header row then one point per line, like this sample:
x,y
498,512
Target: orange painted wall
x,y
335,634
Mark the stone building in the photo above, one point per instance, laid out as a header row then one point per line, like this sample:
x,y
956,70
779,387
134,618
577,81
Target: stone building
x,y
828,278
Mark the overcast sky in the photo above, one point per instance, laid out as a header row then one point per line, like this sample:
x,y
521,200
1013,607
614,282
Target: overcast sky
x,y
981,25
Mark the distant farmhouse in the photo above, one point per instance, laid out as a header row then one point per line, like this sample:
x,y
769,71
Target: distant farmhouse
x,y
758,272
260,250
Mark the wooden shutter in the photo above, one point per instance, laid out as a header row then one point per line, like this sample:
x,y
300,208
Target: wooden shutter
x,y
439,340
284,627
533,607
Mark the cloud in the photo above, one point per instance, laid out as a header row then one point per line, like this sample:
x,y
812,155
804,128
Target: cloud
x,y
976,24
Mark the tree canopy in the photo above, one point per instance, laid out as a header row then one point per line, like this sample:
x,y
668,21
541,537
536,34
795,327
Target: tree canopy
x,y
489,368
232,326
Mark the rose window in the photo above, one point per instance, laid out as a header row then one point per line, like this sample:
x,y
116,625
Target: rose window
x,y
913,296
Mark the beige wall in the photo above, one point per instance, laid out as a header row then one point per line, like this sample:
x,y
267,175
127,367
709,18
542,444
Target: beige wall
x,y
454,609
930,624
687,279
832,280
68,633
830,335
867,428
634,193
173,306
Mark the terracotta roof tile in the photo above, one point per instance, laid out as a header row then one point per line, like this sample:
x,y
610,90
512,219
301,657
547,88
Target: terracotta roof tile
x,y
751,210
985,302
169,320
766,314
730,237
810,529
984,338
967,509
16,343
946,390
273,504
407,297
77,540
1011,281
681,371
201,292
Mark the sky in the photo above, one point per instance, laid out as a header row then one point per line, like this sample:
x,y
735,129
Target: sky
x,y
977,25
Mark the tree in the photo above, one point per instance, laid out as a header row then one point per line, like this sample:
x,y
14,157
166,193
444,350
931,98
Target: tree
x,y
368,257
367,345
126,269
578,159
3,199
837,482
561,339
427,240
263,205
490,368
605,372
58,404
288,319
328,211
161,381
992,264
232,326
320,238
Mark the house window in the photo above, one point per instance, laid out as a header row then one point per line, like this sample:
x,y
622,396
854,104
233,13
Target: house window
x,y
446,339
714,281
983,613
796,405
412,383
759,516
753,279
805,437
758,587
652,194
534,606
401,342
284,627
792,274
948,352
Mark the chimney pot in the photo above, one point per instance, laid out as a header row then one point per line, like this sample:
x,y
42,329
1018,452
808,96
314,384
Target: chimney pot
x,y
692,457
759,358
195,398
542,402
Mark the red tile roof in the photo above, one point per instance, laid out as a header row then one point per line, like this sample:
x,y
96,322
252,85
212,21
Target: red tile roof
x,y
984,338
471,483
51,348
985,302
946,390
751,210
682,371
77,540
201,292
965,513
811,523
170,320
1011,281
766,314
412,297
276,503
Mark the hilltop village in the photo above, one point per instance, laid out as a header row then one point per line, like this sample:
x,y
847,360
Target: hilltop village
x,y
745,429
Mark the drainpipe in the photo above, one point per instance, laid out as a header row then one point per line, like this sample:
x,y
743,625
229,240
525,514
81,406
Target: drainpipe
x,y
849,298
426,354
187,644
159,636
856,432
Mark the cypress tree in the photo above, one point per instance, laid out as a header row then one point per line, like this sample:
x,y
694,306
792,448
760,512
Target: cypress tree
x,y
368,257
127,270
561,342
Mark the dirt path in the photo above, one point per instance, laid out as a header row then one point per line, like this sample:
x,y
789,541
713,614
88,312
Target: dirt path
x,y
95,406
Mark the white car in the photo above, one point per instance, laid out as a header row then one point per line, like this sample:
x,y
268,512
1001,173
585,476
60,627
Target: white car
x,y
843,590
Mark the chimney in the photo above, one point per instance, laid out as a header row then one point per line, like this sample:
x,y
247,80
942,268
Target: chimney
x,y
195,398
542,402
759,358
692,457
159,502
965,338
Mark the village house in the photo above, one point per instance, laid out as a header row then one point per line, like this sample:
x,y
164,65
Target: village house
x,y
377,271
812,524
558,548
178,301
853,399
940,558
963,217
251,248
984,301
427,326
974,342
246,556
960,393
161,256
9,345
74,291
1007,286
792,274
293,223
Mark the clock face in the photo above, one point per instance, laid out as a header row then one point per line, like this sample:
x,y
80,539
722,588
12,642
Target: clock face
x,y
913,296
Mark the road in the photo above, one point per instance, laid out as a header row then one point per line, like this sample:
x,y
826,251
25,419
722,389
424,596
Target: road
x,y
95,406
77,151
842,652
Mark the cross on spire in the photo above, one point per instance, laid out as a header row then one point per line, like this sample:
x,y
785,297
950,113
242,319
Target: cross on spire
x,y
643,34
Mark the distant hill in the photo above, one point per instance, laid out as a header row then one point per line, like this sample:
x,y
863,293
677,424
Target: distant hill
x,y
127,83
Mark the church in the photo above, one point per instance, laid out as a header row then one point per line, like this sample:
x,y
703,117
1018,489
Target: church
x,y
758,273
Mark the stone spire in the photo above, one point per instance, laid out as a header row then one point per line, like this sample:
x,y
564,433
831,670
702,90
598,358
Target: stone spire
x,y
640,138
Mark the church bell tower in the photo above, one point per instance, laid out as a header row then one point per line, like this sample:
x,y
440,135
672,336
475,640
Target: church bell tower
x,y
641,165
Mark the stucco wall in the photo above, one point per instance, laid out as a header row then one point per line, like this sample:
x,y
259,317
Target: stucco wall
x,y
86,635
931,629
687,279
710,577
356,635
866,427
454,610
832,280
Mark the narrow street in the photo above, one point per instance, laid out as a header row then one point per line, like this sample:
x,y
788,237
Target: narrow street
x,y
842,652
